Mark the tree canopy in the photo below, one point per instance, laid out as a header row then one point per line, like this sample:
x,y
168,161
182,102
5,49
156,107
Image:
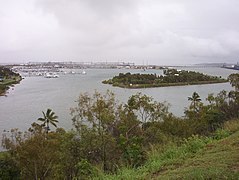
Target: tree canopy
x,y
171,77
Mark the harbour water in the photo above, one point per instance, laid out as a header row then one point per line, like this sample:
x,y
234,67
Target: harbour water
x,y
25,102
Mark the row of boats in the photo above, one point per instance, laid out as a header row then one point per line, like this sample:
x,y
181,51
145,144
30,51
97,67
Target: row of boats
x,y
55,75
49,74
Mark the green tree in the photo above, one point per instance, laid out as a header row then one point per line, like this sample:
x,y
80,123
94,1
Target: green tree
x,y
34,154
8,168
234,80
136,121
129,135
98,112
48,118
146,109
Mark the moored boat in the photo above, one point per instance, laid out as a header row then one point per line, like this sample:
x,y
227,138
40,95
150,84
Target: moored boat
x,y
235,67
51,75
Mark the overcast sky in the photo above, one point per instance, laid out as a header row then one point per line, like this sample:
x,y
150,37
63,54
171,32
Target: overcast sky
x,y
142,31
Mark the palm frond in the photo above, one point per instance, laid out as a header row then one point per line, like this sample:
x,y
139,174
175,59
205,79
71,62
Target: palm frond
x,y
53,124
54,120
48,112
41,119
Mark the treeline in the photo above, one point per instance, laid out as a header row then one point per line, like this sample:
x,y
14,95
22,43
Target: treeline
x,y
129,78
7,73
174,76
108,135
171,77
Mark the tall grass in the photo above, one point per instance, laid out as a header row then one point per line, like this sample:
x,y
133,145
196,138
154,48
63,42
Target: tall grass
x,y
160,158
232,125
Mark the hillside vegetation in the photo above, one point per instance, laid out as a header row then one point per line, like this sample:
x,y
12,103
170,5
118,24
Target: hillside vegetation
x,y
198,158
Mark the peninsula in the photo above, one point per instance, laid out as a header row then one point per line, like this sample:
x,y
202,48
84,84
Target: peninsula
x,y
170,77
7,79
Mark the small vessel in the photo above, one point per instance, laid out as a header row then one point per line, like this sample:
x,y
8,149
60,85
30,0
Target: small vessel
x,y
235,66
51,75
72,72
83,72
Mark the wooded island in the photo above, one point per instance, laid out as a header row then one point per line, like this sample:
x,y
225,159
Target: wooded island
x,y
170,77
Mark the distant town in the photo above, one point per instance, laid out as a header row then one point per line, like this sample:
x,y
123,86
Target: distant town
x,y
53,69
84,65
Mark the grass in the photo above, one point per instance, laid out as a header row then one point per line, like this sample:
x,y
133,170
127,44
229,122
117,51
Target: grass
x,y
218,160
4,85
196,158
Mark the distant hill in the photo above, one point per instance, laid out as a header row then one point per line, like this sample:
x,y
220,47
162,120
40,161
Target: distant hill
x,y
211,64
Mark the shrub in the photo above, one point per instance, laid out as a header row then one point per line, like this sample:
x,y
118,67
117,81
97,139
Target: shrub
x,y
86,170
221,133
193,144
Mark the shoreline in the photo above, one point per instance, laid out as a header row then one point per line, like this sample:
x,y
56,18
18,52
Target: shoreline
x,y
4,87
139,86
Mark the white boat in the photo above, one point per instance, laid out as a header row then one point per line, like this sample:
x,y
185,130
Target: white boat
x,y
72,72
51,75
83,72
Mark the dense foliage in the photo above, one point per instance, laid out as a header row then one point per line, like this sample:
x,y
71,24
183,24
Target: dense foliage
x,y
108,135
7,78
171,77
7,73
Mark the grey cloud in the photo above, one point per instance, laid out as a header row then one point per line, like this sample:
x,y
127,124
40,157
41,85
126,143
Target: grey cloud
x,y
156,31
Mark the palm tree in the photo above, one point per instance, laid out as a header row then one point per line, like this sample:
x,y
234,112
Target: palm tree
x,y
48,118
195,100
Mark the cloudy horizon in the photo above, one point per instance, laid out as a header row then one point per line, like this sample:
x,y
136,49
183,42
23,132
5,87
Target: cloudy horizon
x,y
140,31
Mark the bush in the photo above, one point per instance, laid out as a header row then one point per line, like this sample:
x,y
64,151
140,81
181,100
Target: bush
x,y
8,169
221,133
195,143
86,170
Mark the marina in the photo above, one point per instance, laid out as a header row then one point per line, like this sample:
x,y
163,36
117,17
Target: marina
x,y
24,104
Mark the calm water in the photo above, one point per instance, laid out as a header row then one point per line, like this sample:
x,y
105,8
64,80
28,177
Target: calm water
x,y
25,102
